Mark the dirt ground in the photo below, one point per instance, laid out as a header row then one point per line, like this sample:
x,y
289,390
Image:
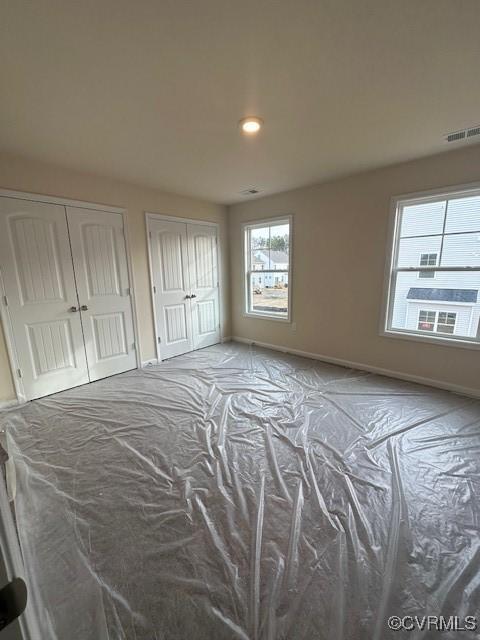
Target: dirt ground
x,y
272,298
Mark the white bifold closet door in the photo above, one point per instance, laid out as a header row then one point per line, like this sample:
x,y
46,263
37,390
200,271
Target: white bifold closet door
x,y
185,285
101,273
37,272
65,278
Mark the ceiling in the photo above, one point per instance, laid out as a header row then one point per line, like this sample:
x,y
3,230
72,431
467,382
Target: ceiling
x,y
150,91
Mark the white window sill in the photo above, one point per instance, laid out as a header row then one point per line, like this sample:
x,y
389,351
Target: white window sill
x,y
266,316
431,339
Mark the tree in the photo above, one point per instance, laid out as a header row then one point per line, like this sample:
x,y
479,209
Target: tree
x,y
279,243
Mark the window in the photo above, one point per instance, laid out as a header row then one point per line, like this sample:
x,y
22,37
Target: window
x,y
427,260
441,321
446,322
267,249
435,262
426,320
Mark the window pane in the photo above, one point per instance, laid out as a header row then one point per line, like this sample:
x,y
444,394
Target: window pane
x,y
269,293
423,325
454,296
445,328
422,219
411,250
279,237
446,318
260,237
462,250
463,214
270,247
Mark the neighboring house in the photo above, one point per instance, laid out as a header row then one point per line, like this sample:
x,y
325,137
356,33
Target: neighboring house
x,y
447,311
264,259
438,302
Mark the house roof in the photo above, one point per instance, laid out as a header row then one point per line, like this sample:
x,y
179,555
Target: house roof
x,y
277,257
443,295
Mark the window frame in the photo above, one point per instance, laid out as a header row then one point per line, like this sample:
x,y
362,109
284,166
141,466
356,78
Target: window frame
x,y
392,244
258,224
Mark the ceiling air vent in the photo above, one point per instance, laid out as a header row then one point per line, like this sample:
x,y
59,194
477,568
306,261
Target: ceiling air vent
x,y
474,131
464,134
249,192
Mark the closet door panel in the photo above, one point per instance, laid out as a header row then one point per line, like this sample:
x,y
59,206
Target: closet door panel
x,y
171,284
202,252
38,277
101,272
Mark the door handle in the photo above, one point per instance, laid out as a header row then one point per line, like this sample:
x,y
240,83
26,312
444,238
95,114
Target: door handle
x,y
73,309
84,307
193,296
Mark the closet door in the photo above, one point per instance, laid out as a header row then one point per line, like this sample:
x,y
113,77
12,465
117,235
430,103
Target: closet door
x,y
204,291
171,286
101,273
37,272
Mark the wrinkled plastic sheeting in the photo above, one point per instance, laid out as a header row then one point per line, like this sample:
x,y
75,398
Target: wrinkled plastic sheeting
x,y
241,493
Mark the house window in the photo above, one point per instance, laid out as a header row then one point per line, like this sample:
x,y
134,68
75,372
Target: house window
x,y
446,322
435,261
426,320
268,248
440,322
427,260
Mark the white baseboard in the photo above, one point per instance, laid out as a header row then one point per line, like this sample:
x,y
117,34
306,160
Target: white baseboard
x,y
149,363
430,382
5,404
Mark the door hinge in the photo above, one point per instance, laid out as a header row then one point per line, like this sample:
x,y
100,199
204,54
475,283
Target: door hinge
x,y
154,289
159,340
19,373
149,234
5,301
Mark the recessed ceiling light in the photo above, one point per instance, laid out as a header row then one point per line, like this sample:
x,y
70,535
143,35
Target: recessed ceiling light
x,y
251,125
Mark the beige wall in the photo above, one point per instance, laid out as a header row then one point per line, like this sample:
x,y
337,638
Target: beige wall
x,y
340,235
26,175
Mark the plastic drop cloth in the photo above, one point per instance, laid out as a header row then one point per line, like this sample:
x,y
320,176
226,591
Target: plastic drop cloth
x,y
238,493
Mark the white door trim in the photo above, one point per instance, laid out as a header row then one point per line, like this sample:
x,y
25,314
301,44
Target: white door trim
x,y
11,349
160,216
4,314
38,197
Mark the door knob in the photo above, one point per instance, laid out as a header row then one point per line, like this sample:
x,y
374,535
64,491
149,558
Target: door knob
x,y
193,296
73,309
13,600
187,297
84,307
